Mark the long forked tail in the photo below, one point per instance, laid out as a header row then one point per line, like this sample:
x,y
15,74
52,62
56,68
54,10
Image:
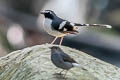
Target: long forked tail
x,y
94,25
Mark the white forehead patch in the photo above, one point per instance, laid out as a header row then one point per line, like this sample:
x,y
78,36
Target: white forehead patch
x,y
47,12
62,24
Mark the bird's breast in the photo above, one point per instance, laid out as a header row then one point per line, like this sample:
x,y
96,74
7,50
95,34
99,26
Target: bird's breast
x,y
48,28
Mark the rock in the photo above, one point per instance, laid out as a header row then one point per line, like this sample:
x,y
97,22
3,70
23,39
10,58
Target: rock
x,y
34,63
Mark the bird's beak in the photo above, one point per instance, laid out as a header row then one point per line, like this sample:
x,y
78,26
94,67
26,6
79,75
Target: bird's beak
x,y
42,12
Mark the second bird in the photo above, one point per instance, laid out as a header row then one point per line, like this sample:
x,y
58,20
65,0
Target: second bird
x,y
62,60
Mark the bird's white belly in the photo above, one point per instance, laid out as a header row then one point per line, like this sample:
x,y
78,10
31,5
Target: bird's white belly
x,y
50,31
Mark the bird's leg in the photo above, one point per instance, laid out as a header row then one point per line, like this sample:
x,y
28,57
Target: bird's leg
x,y
61,71
65,73
54,40
61,40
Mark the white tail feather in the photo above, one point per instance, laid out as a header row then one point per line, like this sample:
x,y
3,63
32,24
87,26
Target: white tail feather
x,y
108,26
76,65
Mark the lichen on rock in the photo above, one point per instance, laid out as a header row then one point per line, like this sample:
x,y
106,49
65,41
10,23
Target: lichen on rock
x,y
34,63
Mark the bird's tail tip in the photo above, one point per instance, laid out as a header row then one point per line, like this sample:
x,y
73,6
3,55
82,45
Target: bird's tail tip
x,y
108,26
76,65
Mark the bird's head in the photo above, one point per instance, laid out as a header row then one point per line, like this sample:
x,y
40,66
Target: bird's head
x,y
48,14
55,48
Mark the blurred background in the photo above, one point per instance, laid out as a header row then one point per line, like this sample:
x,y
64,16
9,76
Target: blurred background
x,y
21,25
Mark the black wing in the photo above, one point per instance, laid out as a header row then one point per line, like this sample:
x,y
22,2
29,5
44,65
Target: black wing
x,y
67,28
67,58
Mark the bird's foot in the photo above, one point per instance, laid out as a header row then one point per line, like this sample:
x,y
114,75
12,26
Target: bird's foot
x,y
58,74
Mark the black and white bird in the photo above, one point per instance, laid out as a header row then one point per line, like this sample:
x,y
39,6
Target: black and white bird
x,y
59,27
62,60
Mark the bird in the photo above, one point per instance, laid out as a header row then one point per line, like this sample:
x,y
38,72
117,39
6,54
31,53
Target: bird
x,y
58,27
62,60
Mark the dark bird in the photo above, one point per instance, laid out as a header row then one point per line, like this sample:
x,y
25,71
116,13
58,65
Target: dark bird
x,y
59,27
62,60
